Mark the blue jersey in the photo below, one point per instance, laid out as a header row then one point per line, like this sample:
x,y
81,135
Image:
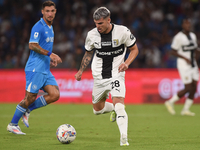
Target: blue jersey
x,y
42,34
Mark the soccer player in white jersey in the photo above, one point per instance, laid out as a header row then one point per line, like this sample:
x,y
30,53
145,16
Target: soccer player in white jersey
x,y
183,46
38,75
109,43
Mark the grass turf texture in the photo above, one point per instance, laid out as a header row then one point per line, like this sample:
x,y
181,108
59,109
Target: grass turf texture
x,y
151,127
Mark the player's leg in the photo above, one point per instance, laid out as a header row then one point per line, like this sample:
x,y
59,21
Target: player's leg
x,y
170,103
51,88
20,110
102,107
189,100
186,78
192,80
48,84
53,93
52,96
118,95
100,94
34,81
121,119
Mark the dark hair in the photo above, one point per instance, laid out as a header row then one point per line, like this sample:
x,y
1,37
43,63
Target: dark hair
x,y
184,19
48,3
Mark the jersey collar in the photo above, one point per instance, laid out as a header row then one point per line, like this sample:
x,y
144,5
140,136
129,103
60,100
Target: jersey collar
x,y
44,23
108,32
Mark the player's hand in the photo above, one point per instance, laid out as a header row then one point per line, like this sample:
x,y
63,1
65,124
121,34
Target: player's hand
x,y
122,67
53,63
188,61
55,60
78,75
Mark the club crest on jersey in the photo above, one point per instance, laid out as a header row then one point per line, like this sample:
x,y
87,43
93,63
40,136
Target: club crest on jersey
x,y
186,78
34,87
115,42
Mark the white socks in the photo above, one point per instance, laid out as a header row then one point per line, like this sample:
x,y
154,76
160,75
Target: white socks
x,y
122,119
174,99
107,108
188,104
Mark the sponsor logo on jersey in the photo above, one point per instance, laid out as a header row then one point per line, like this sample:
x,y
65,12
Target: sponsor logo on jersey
x,y
109,43
49,39
189,47
109,53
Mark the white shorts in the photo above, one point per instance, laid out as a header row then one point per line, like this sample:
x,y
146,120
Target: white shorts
x,y
102,88
189,74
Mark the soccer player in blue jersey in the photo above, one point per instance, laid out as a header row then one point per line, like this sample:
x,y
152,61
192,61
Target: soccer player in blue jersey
x,y
37,70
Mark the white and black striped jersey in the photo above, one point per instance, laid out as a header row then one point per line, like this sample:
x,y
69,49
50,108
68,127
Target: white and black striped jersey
x,y
110,50
185,46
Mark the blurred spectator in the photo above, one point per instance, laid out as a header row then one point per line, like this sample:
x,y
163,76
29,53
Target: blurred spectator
x,y
62,46
78,57
153,56
152,22
8,62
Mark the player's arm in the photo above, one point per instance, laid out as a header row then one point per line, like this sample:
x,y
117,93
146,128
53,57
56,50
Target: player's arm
x,y
84,63
175,53
132,55
197,56
38,49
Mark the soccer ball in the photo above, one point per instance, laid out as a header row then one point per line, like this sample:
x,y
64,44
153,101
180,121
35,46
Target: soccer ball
x,y
66,133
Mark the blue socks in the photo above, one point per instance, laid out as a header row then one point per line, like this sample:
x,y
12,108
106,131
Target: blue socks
x,y
18,114
39,102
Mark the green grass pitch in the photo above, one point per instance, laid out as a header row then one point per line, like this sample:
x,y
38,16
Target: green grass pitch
x,y
151,127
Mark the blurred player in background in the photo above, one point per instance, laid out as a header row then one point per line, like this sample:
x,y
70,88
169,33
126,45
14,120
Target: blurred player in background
x,y
37,70
183,46
109,42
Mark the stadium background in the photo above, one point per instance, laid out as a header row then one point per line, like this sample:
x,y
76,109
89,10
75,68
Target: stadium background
x,y
152,77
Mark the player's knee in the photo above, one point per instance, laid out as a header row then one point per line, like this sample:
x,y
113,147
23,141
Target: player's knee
x,y
55,96
191,89
187,89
